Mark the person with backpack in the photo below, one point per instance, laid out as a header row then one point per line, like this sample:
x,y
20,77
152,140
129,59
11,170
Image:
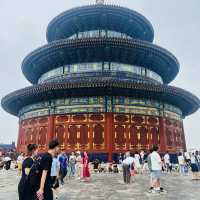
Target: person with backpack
x,y
126,165
25,190
63,166
195,167
155,164
45,184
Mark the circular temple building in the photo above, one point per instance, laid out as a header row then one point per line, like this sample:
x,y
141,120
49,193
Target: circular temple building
x,y
100,85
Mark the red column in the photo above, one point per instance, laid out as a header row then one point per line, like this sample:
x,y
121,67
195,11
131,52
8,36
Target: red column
x,y
183,138
19,136
109,134
51,129
91,130
163,139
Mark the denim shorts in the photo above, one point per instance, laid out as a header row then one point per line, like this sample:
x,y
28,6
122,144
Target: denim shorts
x,y
155,174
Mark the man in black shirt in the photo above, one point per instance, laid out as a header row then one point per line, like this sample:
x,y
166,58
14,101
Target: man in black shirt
x,y
45,192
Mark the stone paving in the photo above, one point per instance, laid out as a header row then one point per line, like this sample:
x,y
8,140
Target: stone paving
x,y
111,187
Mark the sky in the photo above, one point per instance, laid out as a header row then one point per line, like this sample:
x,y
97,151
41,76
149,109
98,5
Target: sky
x,y
23,28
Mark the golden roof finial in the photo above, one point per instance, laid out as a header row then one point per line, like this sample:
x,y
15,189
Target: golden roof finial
x,y
99,1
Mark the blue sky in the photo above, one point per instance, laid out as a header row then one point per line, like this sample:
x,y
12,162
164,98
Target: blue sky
x,y
23,29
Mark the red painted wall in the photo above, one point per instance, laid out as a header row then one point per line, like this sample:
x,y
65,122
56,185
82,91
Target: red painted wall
x,y
103,133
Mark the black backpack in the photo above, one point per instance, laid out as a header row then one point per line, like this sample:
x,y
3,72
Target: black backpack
x,y
35,174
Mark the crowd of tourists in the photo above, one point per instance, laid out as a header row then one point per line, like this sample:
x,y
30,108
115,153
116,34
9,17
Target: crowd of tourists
x,y
43,174
156,165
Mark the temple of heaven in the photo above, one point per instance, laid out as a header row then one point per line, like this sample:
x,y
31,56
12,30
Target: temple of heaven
x,y
100,85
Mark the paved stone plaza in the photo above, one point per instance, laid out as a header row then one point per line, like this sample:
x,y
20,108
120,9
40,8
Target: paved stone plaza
x,y
111,187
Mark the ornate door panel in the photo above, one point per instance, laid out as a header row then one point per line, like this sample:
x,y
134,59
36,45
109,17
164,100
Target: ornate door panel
x,y
134,137
144,137
72,136
28,137
121,133
42,138
98,136
155,136
35,135
120,137
60,135
173,131
84,137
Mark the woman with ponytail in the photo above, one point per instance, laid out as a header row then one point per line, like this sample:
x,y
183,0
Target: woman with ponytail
x,y
24,189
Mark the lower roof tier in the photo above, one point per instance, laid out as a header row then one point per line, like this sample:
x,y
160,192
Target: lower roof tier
x,y
187,102
126,51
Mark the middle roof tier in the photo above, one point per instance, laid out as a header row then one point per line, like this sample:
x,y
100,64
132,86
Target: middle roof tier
x,y
88,50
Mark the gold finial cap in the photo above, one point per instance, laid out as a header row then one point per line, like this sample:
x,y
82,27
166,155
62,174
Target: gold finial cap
x,y
99,1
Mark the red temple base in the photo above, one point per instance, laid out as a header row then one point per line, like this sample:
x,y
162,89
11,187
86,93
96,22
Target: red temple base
x,y
103,133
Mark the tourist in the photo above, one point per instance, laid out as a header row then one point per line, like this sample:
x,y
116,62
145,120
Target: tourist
x,y
45,189
72,165
102,167
20,160
7,162
167,162
25,191
110,167
85,163
63,160
115,167
181,162
96,164
145,163
132,167
150,170
187,158
55,168
195,167
137,161
126,165
197,154
156,168
1,163
142,153
163,164
78,164
120,159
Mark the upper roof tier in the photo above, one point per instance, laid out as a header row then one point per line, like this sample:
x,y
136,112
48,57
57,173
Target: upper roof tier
x,y
100,17
126,51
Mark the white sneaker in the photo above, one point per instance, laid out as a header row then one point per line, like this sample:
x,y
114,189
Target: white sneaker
x,y
155,191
